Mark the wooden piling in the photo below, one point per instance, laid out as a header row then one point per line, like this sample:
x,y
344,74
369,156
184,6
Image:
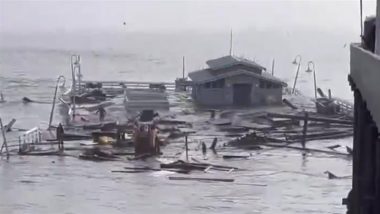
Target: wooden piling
x,y
304,131
329,91
187,148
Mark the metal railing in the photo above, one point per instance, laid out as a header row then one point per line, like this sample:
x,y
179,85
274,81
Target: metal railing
x,y
32,136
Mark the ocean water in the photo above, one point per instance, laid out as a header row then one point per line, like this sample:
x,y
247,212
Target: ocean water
x,y
30,64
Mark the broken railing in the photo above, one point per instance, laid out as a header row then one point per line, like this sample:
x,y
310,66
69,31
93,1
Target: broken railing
x,y
32,136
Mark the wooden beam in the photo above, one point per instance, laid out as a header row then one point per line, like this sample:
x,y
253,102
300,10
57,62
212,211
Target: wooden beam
x,y
201,179
311,118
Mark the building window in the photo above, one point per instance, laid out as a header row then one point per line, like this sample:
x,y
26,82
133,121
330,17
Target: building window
x,y
219,83
215,84
261,84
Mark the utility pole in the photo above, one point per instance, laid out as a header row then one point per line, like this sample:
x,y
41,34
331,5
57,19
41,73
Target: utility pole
x,y
231,43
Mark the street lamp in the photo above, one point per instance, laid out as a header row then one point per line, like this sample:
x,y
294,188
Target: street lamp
x,y
295,62
55,97
309,70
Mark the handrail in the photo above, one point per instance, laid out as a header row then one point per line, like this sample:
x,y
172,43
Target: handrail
x,y
32,136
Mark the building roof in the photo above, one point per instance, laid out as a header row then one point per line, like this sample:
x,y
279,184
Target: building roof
x,y
211,73
228,61
207,75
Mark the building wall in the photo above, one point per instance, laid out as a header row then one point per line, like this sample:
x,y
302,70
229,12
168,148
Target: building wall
x,y
211,96
377,50
225,96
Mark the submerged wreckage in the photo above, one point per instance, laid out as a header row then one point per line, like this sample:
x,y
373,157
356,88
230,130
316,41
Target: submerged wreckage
x,y
117,116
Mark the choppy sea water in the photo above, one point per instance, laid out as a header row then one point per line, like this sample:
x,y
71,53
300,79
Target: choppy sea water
x,y
292,183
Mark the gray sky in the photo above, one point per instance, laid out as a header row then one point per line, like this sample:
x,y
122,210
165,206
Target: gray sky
x,y
166,16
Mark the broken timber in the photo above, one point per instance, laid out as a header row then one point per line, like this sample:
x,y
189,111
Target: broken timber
x,y
311,118
307,149
201,179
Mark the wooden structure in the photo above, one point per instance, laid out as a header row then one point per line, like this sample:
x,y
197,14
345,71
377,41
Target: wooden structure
x,y
231,80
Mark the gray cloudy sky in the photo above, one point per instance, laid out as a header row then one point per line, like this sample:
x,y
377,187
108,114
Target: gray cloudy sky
x,y
67,16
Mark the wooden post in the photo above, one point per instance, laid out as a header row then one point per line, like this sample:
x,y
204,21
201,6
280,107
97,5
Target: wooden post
x,y
273,66
4,139
19,143
187,148
304,131
329,94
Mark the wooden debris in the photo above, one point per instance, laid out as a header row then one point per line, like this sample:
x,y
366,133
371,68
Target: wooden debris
x,y
171,122
235,156
330,175
214,165
142,156
194,166
145,169
96,154
333,146
8,127
320,92
201,179
349,150
41,153
307,149
288,103
311,118
129,171
213,144
95,158
221,122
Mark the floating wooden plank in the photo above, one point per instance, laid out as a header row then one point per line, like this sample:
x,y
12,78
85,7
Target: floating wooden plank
x,y
254,126
307,149
145,169
96,158
41,153
172,122
235,156
215,165
220,122
311,118
201,179
129,171
288,103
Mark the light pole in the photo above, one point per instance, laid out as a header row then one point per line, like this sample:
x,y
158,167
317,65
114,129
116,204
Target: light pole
x,y
295,62
55,97
315,80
